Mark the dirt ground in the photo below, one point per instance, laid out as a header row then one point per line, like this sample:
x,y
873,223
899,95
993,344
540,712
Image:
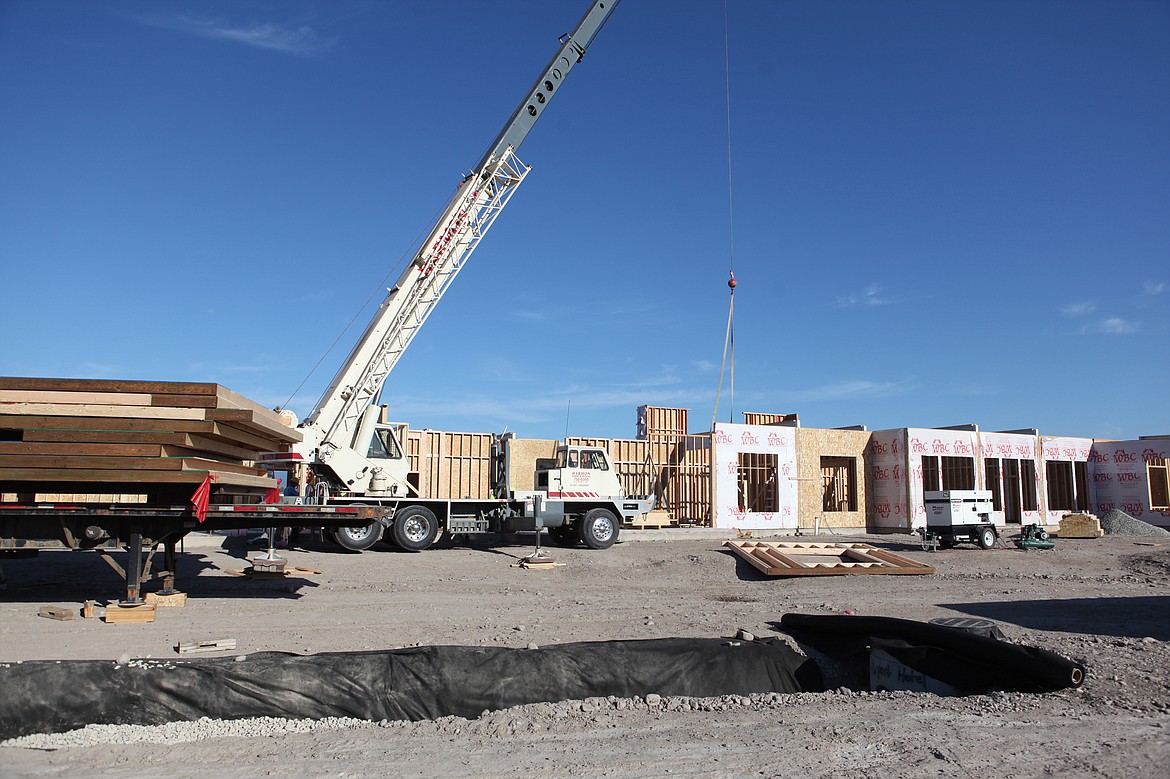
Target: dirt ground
x,y
1103,602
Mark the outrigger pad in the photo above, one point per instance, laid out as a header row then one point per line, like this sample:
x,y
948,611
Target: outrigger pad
x,y
403,684
961,660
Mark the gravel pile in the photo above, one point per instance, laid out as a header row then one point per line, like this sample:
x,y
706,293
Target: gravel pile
x,y
180,732
1118,523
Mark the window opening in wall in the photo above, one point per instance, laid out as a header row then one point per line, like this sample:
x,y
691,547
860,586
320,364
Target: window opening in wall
x,y
1012,507
757,482
1081,477
958,473
991,479
839,484
1028,485
1059,475
930,478
1158,476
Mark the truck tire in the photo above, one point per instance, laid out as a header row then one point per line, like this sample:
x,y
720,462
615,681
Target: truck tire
x,y
987,537
598,529
414,528
357,539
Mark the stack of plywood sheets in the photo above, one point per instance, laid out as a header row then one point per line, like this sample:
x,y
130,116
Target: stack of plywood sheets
x,y
156,438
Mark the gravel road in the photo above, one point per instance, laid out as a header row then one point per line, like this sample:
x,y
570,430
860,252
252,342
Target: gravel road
x,y
1103,602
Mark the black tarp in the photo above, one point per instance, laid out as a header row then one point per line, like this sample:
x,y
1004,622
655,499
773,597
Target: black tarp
x,y
403,684
966,661
430,682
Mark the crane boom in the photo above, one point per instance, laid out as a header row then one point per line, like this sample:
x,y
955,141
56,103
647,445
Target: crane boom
x,y
332,427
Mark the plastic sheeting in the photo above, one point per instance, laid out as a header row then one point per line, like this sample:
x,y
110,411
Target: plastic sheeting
x,y
963,660
404,684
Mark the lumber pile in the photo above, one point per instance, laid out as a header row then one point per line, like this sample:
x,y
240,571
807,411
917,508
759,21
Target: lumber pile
x,y
161,439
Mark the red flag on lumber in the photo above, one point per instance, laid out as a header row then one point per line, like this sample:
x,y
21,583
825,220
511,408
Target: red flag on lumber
x,y
202,497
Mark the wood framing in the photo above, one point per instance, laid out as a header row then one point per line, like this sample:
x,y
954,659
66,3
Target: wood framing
x,y
797,559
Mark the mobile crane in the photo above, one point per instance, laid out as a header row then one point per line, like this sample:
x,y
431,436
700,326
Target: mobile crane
x,y
357,457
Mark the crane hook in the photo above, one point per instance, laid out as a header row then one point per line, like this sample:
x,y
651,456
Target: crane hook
x,y
731,282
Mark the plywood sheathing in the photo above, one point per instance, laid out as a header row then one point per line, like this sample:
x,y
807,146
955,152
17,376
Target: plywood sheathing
x,y
811,445
161,438
800,559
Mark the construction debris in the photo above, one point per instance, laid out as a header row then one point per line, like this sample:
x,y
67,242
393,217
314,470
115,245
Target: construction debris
x,y
203,647
776,558
55,612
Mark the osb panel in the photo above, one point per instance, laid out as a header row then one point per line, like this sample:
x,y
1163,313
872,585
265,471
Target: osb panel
x,y
522,456
811,445
451,465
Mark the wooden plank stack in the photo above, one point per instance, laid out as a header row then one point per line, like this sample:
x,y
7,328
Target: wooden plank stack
x,y
160,439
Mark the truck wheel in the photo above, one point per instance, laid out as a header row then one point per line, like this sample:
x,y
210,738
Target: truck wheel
x,y
598,529
414,528
357,539
987,537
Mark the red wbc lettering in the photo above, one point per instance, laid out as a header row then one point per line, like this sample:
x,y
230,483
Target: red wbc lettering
x,y
786,469
1101,476
940,447
894,447
1127,478
962,447
775,440
786,511
883,509
917,446
1105,508
722,437
897,473
878,447
1122,456
747,439
880,473
1098,457
1133,508
733,468
1149,455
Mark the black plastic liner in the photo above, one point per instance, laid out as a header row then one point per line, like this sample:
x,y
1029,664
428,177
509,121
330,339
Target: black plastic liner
x,y
432,682
404,684
964,660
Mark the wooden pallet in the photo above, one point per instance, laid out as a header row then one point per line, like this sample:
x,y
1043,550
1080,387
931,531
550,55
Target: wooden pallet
x,y
776,558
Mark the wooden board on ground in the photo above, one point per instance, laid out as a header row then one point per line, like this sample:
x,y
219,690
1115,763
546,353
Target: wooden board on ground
x,y
202,647
169,600
130,614
776,558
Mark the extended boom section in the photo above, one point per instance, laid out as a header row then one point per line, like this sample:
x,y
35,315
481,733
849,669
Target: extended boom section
x,y
480,199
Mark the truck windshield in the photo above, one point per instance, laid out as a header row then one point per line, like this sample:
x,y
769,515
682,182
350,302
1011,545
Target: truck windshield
x,y
384,445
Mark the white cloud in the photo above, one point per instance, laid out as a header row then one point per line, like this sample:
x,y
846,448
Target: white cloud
x,y
1154,288
872,295
1115,326
850,389
1078,309
300,41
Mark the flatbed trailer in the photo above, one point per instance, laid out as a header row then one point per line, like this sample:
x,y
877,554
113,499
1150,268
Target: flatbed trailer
x,y
142,530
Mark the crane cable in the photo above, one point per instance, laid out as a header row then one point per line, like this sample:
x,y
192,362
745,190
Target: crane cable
x,y
729,337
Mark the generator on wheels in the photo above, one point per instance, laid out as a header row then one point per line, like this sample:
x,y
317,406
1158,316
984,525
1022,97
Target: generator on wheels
x,y
955,516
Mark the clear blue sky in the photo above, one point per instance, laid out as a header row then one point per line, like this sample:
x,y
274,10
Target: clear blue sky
x,y
944,212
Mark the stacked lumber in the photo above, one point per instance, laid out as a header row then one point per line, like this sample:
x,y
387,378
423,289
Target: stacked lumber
x,y
156,438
